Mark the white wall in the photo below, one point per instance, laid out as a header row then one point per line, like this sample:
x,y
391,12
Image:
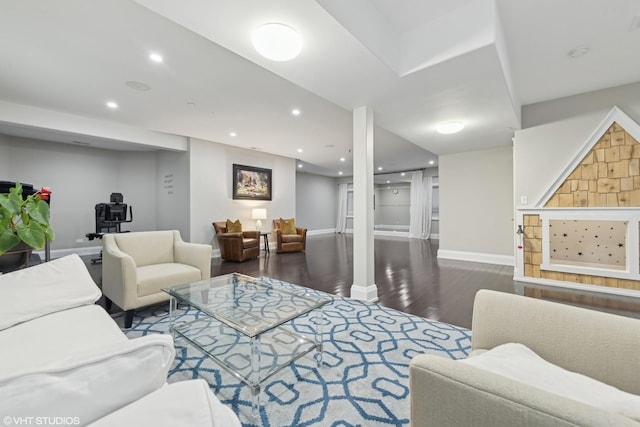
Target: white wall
x,y
211,179
316,201
476,206
172,190
390,208
80,177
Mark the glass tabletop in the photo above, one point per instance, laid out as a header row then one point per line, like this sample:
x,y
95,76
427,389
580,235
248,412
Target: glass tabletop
x,y
247,304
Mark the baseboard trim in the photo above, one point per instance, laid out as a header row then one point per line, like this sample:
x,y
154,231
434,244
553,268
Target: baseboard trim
x,y
477,257
435,236
59,253
323,231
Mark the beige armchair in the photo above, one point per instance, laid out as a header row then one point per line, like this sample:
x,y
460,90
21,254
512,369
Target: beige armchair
x,y
601,346
137,266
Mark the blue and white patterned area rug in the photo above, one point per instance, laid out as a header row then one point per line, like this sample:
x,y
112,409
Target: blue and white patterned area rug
x,y
364,380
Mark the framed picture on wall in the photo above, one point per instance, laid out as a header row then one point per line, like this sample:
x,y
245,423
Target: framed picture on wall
x,y
251,183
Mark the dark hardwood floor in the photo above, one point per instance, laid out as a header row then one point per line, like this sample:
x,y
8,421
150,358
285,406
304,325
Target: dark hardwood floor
x,y
409,276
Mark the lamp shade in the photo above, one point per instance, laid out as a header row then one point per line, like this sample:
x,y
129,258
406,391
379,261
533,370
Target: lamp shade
x,y
259,213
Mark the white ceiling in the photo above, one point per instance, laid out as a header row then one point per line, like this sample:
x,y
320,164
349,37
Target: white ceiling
x,y
416,63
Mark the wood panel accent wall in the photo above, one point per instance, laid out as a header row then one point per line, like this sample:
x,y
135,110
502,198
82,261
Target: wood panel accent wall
x,y
532,248
608,176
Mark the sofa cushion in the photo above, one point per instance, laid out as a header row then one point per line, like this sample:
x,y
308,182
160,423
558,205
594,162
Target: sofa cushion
x,y
56,336
288,226
518,362
153,278
185,403
45,288
90,383
147,248
234,226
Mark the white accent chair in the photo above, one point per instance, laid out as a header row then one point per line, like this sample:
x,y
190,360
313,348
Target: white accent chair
x,y
137,266
601,346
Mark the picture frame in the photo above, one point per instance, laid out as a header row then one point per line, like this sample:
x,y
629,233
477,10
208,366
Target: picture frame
x,y
251,183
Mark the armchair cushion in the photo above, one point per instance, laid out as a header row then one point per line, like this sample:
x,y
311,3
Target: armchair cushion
x,y
288,226
234,226
517,362
154,278
291,238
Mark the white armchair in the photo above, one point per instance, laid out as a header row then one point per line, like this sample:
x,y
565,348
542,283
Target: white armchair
x,y
137,266
600,346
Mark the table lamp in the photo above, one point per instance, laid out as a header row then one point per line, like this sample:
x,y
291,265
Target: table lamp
x,y
258,214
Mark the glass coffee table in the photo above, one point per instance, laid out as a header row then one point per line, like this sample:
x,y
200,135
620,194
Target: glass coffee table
x,y
241,325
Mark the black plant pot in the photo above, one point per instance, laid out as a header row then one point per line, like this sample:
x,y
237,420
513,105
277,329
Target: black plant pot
x,y
15,258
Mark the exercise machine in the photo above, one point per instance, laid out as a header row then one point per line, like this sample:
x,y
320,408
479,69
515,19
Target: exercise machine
x,y
109,218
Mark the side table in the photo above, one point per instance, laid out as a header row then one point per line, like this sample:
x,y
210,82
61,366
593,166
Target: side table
x,y
266,241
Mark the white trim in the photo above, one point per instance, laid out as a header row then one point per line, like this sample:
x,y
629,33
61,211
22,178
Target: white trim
x,y
605,290
323,231
215,253
476,257
391,233
435,236
615,115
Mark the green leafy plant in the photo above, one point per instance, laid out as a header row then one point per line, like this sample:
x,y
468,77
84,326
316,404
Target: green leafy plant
x,y
24,219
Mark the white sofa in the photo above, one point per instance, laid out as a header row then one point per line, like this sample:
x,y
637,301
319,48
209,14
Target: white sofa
x,y
490,390
64,356
137,266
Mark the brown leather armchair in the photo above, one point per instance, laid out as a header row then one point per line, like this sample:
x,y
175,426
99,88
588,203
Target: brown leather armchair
x,y
237,246
289,242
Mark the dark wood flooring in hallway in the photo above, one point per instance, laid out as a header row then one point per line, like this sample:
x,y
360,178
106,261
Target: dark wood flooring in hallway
x,y
408,274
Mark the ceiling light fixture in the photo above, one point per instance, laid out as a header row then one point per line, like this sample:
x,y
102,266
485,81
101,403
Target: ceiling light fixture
x,y
233,134
340,173
402,174
295,112
277,42
112,105
156,57
450,127
342,159
431,162
299,165
299,150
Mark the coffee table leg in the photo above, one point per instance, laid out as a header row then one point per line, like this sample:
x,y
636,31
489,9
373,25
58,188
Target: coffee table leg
x,y
255,376
173,306
318,337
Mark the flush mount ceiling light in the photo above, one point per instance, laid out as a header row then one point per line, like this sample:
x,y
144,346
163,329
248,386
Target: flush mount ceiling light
x,y
112,105
156,57
277,42
450,127
295,112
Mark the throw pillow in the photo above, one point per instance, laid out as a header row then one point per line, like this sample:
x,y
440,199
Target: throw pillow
x,y
234,226
288,226
520,363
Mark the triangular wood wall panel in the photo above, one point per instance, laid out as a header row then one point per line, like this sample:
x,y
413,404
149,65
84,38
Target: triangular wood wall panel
x,y
606,171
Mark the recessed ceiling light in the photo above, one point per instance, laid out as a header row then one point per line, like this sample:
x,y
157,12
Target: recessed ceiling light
x,y
450,127
342,159
340,173
299,165
277,42
112,105
577,52
388,182
233,134
299,150
431,162
379,168
156,57
295,112
402,174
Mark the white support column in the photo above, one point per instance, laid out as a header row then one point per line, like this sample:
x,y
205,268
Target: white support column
x,y
364,287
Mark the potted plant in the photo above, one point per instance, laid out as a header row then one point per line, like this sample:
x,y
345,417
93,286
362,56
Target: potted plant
x,y
24,220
